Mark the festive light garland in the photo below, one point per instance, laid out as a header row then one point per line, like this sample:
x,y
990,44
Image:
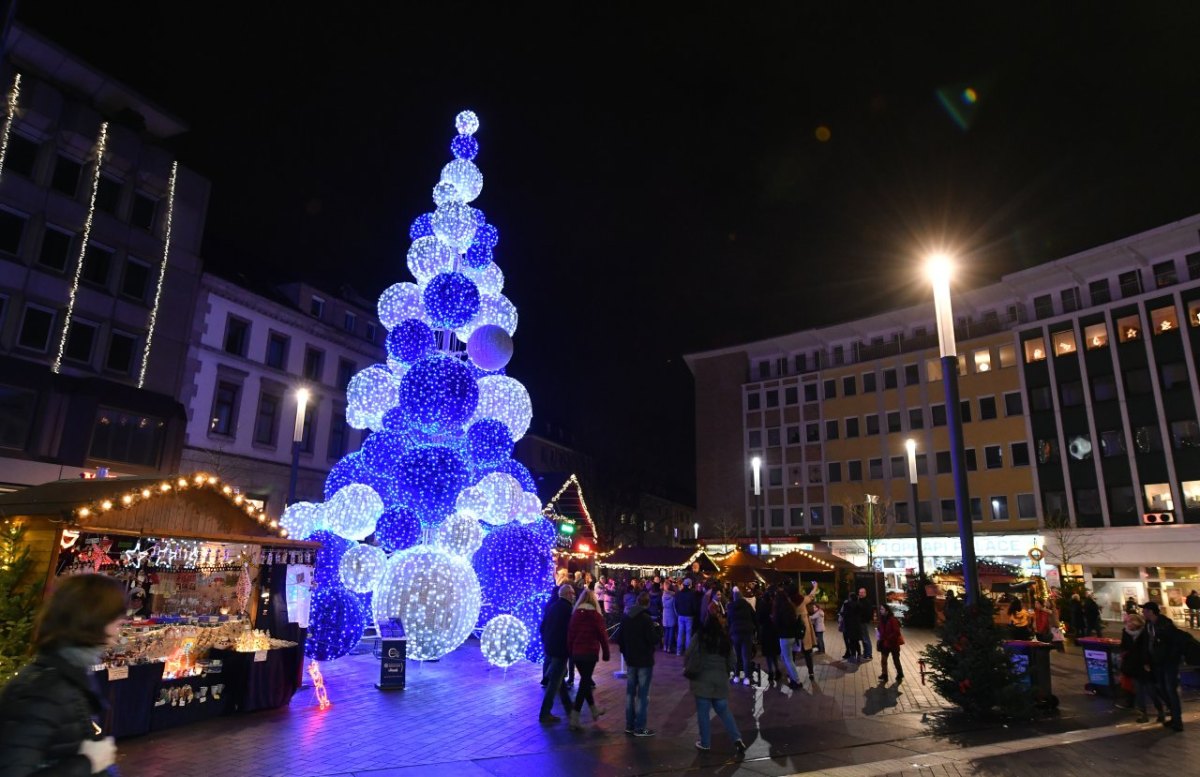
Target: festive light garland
x,y
600,559
806,554
10,115
162,273
587,515
101,145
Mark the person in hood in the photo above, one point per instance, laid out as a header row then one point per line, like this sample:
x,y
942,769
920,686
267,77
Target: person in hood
x,y
638,637
556,620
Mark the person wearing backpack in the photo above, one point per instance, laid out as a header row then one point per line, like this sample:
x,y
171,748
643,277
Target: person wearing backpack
x,y
1165,654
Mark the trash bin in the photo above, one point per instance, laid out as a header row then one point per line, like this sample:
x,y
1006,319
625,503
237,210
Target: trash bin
x,y
1030,662
1102,660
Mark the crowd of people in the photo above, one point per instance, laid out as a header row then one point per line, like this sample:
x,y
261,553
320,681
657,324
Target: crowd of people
x,y
719,629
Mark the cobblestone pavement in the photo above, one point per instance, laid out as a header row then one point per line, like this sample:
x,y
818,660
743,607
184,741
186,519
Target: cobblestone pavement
x,y
459,716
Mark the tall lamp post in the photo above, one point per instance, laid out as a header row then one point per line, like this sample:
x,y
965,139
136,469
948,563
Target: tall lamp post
x,y
696,531
756,465
940,269
297,438
911,446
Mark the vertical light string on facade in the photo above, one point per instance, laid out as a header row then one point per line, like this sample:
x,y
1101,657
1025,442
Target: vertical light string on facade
x,y
10,115
162,271
101,144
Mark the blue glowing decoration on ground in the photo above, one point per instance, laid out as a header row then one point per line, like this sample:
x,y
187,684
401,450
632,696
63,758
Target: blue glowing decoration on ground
x,y
451,300
434,501
410,340
335,623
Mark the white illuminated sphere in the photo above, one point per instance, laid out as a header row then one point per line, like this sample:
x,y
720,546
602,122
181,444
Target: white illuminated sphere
x,y
371,393
506,400
504,640
489,280
434,594
503,493
460,535
495,311
361,567
428,256
490,348
353,511
454,225
446,192
473,501
529,507
398,302
466,122
465,177
301,519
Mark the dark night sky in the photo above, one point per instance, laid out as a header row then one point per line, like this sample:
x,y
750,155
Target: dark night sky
x,y
656,176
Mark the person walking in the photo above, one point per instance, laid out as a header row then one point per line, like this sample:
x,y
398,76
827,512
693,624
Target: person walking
x,y
768,636
816,616
556,620
1135,665
670,620
1165,655
742,625
1091,616
637,639
1193,607
50,712
686,607
890,640
783,613
851,628
866,614
806,639
709,660
587,641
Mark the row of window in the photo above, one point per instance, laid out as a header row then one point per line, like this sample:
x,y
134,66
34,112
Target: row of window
x,y
237,342
1185,435
832,472
59,248
999,509
227,400
316,308
39,324
1156,498
1129,329
136,206
1130,284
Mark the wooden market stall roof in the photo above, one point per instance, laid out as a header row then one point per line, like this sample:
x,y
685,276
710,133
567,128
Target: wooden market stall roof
x,y
196,506
568,502
806,561
740,558
669,557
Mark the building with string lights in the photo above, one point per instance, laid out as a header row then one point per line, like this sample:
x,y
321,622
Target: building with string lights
x,y
100,230
1079,390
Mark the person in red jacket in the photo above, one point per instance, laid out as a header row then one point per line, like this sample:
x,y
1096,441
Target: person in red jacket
x,y
587,640
890,640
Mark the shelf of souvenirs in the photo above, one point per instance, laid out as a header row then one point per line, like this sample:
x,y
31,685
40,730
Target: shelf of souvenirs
x,y
183,643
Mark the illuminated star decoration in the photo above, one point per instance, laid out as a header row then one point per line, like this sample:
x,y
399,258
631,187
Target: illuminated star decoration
x,y
135,555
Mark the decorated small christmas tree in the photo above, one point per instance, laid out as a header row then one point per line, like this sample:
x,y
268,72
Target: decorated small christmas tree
x,y
19,597
433,511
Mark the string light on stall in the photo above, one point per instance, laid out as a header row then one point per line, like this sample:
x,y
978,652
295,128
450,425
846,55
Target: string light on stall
x,y
10,114
101,145
162,272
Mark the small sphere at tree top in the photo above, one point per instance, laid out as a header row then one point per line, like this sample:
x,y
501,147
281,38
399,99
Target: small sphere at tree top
x,y
466,122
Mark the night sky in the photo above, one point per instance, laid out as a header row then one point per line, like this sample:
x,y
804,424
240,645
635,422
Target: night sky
x,y
665,181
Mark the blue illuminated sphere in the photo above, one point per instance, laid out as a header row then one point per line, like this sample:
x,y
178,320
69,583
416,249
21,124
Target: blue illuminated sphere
x,y
410,340
335,623
487,235
530,612
429,478
477,257
513,564
451,300
439,394
398,529
383,483
329,556
489,442
422,226
514,468
544,530
464,147
382,451
342,474
478,217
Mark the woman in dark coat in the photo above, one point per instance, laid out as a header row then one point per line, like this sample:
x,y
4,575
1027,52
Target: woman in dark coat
x,y
49,711
742,625
768,637
1135,664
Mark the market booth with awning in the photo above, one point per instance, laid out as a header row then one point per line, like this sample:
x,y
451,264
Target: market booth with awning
x,y
669,561
218,593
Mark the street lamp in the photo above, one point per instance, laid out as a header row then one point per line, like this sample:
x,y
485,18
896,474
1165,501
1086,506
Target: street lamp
x,y
696,531
911,446
297,437
939,269
756,465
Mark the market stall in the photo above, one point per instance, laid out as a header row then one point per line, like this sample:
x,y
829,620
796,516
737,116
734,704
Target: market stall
x,y
204,566
667,561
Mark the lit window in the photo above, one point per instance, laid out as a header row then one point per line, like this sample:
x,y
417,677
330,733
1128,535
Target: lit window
x,y
1194,313
1095,336
1035,350
1164,320
983,360
933,370
1191,495
1008,356
1158,497
1129,328
1064,342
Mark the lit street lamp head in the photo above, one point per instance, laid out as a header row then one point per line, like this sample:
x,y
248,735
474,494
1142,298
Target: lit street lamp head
x,y
302,396
939,268
756,463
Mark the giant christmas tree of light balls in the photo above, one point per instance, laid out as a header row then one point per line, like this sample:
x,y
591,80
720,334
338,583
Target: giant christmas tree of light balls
x,y
432,517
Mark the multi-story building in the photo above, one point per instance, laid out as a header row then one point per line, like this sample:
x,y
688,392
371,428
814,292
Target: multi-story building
x,y
252,351
100,233
1078,383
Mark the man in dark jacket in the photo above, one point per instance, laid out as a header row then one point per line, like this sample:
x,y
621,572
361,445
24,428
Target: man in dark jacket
x,y
555,621
1165,649
1091,615
686,607
1193,608
866,616
638,637
851,627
